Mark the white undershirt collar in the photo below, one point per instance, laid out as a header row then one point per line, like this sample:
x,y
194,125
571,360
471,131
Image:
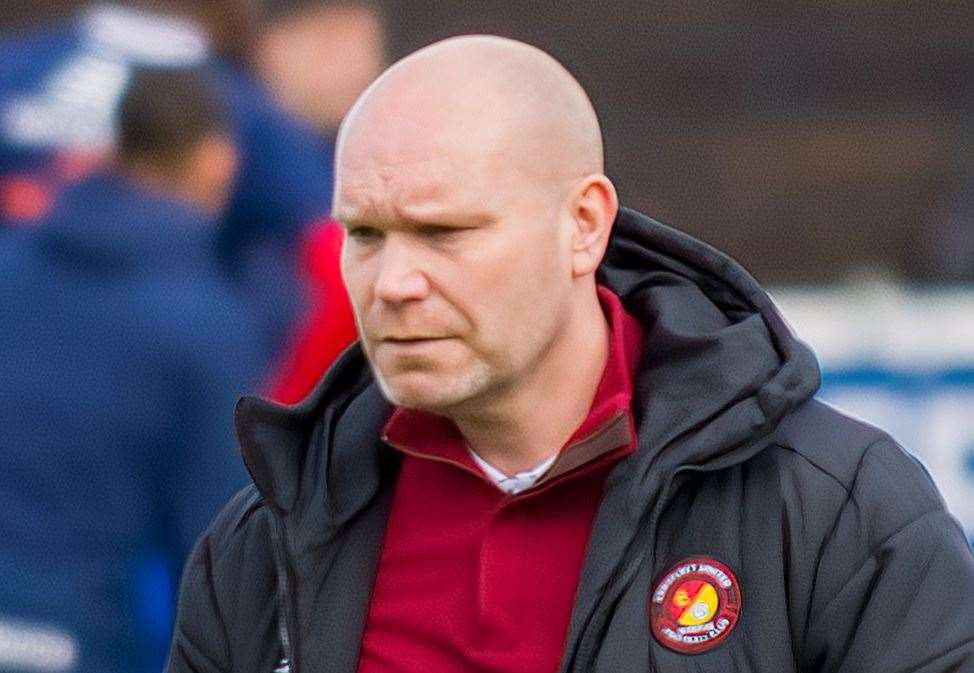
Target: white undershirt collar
x,y
514,484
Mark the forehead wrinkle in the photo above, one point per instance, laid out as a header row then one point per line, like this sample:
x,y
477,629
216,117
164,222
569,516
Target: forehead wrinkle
x,y
420,173
391,196
420,179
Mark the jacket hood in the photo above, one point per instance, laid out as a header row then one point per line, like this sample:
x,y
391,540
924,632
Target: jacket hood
x,y
720,368
106,223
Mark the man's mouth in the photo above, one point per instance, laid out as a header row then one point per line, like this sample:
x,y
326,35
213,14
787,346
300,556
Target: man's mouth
x,y
412,339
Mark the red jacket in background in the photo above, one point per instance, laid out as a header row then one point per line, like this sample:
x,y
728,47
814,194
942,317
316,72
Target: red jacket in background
x,y
328,325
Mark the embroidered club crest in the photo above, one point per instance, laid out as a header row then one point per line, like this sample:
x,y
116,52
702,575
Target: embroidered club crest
x,y
695,605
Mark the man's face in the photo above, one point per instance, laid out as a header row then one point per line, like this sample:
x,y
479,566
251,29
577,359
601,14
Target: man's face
x,y
456,270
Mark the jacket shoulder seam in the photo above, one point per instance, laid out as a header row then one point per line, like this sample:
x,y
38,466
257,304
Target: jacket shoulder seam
x,y
827,473
235,519
874,550
827,539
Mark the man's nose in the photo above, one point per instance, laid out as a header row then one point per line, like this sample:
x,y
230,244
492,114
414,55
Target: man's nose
x,y
400,277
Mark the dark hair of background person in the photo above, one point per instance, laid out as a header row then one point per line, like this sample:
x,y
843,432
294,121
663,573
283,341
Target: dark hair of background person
x,y
164,115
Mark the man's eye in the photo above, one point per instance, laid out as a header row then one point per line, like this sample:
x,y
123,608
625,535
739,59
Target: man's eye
x,y
363,234
433,231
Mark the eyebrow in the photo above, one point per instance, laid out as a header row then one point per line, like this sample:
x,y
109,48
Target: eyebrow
x,y
447,218
354,217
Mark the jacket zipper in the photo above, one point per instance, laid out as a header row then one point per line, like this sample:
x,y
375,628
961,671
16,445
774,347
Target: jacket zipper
x,y
619,581
285,621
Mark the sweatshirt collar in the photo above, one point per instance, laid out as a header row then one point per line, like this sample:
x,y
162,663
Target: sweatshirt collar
x,y
607,429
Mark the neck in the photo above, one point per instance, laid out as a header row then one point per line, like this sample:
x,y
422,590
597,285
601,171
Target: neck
x,y
534,420
166,184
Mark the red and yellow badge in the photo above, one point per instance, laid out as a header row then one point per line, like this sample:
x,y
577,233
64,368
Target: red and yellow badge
x,y
695,605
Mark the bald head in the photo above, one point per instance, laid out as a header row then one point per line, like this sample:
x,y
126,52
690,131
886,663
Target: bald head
x,y
480,95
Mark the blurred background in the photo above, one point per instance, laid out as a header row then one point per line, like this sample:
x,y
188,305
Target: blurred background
x,y
827,146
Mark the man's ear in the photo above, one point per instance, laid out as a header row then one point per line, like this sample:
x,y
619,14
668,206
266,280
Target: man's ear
x,y
593,206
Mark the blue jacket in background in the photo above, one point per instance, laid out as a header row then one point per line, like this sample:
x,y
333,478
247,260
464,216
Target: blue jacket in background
x,y
284,185
122,354
60,88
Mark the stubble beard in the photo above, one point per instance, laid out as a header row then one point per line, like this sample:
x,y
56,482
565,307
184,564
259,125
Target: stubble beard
x,y
446,395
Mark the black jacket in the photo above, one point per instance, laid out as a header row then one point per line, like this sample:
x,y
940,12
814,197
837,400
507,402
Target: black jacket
x,y
844,555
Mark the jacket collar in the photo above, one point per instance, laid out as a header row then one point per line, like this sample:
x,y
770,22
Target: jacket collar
x,y
325,450
106,222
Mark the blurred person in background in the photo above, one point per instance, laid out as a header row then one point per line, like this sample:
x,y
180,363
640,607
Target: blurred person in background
x,y
60,85
59,91
318,56
122,351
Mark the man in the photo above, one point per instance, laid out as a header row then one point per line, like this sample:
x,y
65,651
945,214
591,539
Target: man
x,y
121,350
572,439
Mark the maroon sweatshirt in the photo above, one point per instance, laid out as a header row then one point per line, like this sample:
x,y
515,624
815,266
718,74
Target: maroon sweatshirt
x,y
471,579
